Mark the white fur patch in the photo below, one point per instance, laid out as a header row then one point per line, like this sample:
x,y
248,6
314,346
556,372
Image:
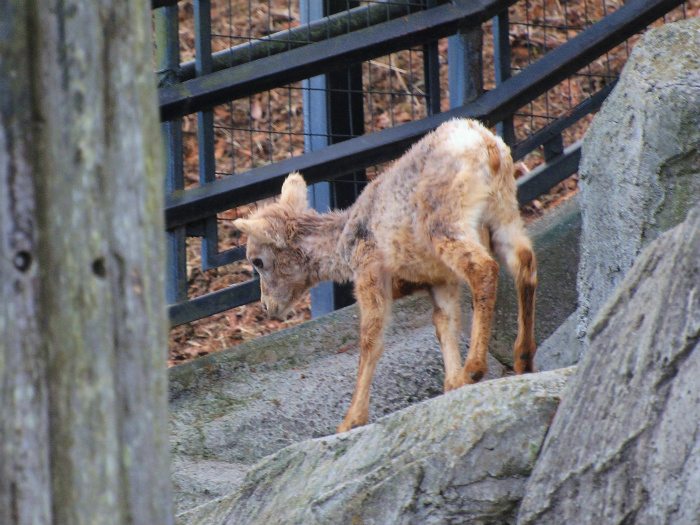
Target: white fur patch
x,y
462,138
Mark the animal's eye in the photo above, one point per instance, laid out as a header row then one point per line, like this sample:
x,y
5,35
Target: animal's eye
x,y
257,263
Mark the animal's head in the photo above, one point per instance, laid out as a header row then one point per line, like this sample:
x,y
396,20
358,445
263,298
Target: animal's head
x,y
272,250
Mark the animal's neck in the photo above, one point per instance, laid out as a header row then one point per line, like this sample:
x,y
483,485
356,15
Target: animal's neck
x,y
320,236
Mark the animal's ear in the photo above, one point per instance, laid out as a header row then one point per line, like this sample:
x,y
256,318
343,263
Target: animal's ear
x,y
294,192
520,169
261,230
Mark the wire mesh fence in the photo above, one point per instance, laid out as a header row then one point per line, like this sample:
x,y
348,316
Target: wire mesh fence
x,y
400,87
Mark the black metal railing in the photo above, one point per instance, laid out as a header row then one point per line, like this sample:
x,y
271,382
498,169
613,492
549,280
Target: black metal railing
x,y
328,46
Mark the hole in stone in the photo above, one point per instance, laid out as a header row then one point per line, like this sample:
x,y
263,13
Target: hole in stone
x,y
99,268
22,260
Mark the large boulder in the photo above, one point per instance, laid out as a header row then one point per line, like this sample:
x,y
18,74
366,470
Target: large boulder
x,y
460,458
624,446
640,168
229,410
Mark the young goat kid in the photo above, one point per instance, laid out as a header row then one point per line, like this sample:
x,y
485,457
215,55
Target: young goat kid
x,y
429,221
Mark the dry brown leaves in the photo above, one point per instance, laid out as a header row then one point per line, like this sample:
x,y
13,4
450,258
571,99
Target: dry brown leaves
x,y
268,127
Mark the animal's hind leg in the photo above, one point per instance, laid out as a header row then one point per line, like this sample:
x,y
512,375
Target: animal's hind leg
x,y
512,244
469,259
526,280
446,317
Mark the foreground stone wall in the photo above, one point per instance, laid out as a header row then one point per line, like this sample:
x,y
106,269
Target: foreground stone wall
x,y
640,167
624,446
460,458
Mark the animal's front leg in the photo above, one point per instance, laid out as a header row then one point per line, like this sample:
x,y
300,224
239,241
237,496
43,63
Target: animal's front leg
x,y
373,290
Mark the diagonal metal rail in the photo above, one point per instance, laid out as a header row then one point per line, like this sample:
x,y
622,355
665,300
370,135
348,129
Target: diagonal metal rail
x,y
214,303
155,4
183,207
321,57
314,31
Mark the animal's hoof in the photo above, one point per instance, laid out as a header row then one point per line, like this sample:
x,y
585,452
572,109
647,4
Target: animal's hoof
x,y
453,383
476,376
349,424
524,366
524,358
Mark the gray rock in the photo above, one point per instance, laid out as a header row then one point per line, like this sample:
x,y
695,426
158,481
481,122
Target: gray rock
x,y
561,349
231,409
460,458
624,446
640,170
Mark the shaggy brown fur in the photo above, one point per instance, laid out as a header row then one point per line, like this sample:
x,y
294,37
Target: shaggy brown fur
x,y
430,221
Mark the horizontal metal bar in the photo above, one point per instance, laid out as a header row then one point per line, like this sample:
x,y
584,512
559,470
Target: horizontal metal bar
x,y
315,31
317,166
321,57
214,303
573,55
225,257
556,127
155,4
361,152
544,177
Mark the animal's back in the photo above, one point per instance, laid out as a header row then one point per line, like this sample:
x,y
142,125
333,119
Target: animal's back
x,y
441,186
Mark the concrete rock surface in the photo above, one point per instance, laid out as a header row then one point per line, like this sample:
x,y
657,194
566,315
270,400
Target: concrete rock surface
x,y
460,458
229,410
640,167
624,447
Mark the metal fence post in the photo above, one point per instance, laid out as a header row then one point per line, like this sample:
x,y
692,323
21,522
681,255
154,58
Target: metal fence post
x,y
431,72
332,113
501,60
168,60
205,130
465,62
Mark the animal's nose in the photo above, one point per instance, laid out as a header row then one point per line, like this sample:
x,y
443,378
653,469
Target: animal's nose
x,y
270,308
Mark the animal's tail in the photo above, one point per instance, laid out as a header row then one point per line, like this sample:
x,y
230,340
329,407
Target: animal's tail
x,y
500,159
